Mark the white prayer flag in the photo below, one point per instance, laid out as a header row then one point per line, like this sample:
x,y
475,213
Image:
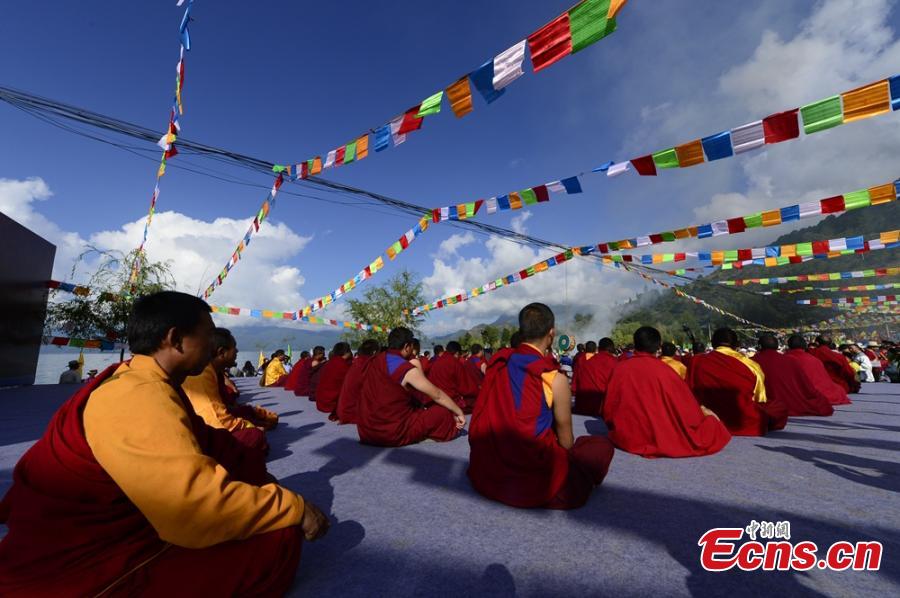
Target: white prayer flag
x,y
748,137
556,187
329,161
810,208
491,205
720,228
837,244
395,126
617,169
508,65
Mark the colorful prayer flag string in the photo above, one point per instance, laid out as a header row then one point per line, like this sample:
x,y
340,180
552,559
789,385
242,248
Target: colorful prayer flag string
x,y
825,276
829,302
296,316
167,141
855,288
82,343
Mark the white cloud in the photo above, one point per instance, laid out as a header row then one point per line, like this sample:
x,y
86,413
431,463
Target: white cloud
x,y
450,246
196,250
519,220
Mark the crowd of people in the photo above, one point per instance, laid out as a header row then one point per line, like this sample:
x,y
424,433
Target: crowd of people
x,y
154,471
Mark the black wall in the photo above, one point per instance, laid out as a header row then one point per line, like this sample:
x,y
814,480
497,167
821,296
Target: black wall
x,y
26,264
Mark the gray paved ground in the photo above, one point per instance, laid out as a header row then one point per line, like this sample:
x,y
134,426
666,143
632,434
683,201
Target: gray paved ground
x,y
406,522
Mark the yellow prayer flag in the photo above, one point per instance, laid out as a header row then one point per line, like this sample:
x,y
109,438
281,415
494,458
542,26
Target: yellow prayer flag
x,y
788,250
515,202
771,218
882,194
362,147
317,166
771,261
718,257
690,154
682,233
614,7
866,101
890,237
460,95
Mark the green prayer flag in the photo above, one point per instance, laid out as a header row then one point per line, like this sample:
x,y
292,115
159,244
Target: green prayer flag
x,y
397,247
668,237
279,168
499,282
727,267
753,221
781,261
822,115
528,197
431,105
834,276
857,199
470,209
588,23
613,246
76,342
731,255
666,158
569,254
350,152
668,257
804,249
530,270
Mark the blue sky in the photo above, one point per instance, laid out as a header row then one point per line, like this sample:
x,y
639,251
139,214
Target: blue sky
x,y
288,80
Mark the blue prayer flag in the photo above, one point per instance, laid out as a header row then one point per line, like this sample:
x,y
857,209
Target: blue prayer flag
x,y
856,243
185,33
503,202
718,146
704,231
704,256
603,167
255,313
382,138
646,259
895,92
572,185
790,213
773,251
483,79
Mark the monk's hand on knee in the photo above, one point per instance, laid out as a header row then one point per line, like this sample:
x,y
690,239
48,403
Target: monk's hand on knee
x,y
315,523
460,420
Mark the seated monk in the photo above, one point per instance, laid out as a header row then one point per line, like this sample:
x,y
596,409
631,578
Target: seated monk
x,y
334,371
128,492
733,386
425,359
786,382
203,391
580,355
814,372
349,399
668,352
523,451
303,379
837,366
476,364
293,377
590,379
651,412
275,374
316,368
386,415
452,376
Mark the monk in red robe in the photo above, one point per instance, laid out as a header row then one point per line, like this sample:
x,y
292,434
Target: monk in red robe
x,y
590,379
386,414
425,358
476,364
786,382
293,377
334,373
523,450
304,377
733,387
452,376
650,411
836,365
814,372
128,492
350,391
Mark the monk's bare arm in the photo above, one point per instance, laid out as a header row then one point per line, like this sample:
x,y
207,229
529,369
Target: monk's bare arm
x,y
417,380
562,411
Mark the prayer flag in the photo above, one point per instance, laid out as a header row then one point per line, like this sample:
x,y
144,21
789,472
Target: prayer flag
x,y
782,126
857,199
528,197
822,115
717,146
395,131
515,202
645,165
895,92
483,79
541,193
832,204
617,169
810,208
362,146
572,185
556,187
411,121
382,138
350,152
503,202
304,170
753,221
329,160
790,213
748,137
771,218
508,65
866,101
690,154
882,194
431,105
316,167
460,96
340,155
666,158
614,7
589,23
550,43
492,205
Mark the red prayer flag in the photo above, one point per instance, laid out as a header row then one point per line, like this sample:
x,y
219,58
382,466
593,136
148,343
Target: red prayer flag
x,y
820,247
745,254
655,239
404,242
644,166
279,181
550,43
603,247
410,121
736,225
436,215
541,192
832,204
234,311
680,257
339,156
171,152
304,170
59,341
782,126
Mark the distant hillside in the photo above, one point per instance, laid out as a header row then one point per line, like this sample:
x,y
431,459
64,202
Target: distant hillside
x,y
269,338
510,320
670,313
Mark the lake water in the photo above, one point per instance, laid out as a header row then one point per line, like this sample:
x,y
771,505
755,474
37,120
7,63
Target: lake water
x,y
53,362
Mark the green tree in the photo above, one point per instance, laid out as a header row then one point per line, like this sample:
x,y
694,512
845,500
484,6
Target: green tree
x,y
623,333
505,336
385,306
489,336
103,312
466,340
581,323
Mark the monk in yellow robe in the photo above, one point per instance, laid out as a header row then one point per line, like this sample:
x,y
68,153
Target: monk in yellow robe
x,y
668,357
275,374
207,398
128,492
